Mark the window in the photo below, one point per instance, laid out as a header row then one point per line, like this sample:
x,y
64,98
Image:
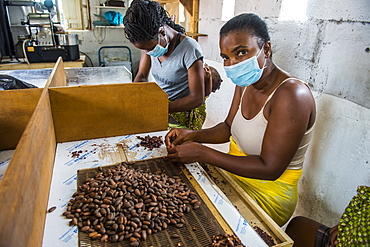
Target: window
x,y
74,14
228,7
293,10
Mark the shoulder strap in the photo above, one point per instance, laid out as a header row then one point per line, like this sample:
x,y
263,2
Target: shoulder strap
x,y
270,96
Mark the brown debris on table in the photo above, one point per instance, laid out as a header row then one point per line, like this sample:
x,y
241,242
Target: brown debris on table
x,y
265,236
226,240
150,142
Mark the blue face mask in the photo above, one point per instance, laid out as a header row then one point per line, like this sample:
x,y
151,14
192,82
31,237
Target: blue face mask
x,y
246,72
158,50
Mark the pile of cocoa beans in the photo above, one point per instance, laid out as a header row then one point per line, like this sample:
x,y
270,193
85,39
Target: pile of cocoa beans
x,y
123,203
150,142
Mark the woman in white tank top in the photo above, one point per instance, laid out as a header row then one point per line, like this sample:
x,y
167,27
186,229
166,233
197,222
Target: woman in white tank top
x,y
269,124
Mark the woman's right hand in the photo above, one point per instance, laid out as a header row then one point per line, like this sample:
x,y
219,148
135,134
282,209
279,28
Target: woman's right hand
x,y
178,136
207,80
207,72
333,236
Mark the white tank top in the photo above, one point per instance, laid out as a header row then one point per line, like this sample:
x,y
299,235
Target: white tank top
x,y
249,133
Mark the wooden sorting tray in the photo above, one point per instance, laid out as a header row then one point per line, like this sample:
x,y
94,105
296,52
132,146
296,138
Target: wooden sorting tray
x,y
247,207
200,224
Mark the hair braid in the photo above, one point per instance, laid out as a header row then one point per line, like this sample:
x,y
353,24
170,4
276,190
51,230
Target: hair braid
x,y
144,18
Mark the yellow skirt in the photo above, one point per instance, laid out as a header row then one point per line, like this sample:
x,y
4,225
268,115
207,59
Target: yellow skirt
x,y
277,198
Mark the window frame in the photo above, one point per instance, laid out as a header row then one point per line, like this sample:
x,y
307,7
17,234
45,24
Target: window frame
x,y
81,18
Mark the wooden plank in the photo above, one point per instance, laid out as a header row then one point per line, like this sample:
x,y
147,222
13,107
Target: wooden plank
x,y
192,6
173,10
24,190
167,1
220,219
196,34
97,111
194,18
17,107
57,77
188,5
19,65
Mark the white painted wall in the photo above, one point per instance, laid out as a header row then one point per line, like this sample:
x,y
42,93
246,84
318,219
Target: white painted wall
x,y
330,52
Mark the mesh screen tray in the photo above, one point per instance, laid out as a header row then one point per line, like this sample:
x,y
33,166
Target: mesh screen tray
x,y
200,224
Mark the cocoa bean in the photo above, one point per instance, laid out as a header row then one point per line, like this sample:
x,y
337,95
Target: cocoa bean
x,y
51,209
104,238
134,244
114,238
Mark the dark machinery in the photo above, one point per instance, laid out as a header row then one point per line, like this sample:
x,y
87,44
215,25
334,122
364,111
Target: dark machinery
x,y
44,45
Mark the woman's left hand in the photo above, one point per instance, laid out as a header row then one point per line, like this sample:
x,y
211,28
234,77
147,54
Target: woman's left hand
x,y
187,152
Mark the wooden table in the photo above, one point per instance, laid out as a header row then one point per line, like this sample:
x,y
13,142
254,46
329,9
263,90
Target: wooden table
x,y
7,64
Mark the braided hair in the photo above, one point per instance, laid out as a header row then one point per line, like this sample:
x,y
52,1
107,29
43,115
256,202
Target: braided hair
x,y
249,22
144,18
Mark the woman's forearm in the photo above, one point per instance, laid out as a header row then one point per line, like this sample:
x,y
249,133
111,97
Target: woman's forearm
x,y
246,166
185,104
220,133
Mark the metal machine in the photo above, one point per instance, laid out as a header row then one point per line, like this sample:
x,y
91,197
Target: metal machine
x,y
46,46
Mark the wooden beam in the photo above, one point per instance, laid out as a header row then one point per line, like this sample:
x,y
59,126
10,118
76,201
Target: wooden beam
x,y
8,65
188,5
24,190
194,18
167,1
57,77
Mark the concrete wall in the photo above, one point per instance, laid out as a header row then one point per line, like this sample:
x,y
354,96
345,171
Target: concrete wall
x,y
330,51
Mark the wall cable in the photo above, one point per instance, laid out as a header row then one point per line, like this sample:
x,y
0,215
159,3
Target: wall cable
x,y
92,65
24,52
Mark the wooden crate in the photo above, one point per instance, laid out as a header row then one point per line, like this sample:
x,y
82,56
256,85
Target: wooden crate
x,y
60,114
26,183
